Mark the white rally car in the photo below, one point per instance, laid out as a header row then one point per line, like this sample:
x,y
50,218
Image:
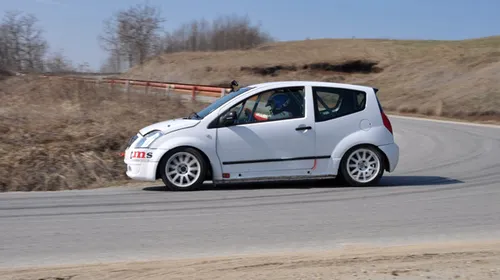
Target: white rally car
x,y
289,130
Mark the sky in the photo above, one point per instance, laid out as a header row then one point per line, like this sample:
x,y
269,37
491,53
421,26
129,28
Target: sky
x,y
72,26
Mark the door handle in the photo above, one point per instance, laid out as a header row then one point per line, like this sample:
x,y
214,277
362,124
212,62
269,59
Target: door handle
x,y
303,128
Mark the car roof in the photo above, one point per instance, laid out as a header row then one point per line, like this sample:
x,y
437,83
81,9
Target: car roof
x,y
312,83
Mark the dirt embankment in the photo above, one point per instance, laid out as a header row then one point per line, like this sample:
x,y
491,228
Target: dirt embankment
x,y
456,79
4,74
58,134
479,260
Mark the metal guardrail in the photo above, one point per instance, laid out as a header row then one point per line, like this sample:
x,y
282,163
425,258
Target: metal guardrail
x,y
194,89
74,73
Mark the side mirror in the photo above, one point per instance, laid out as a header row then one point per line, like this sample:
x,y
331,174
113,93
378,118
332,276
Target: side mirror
x,y
229,118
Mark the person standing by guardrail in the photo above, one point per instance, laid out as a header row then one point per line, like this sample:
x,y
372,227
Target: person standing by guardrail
x,y
234,86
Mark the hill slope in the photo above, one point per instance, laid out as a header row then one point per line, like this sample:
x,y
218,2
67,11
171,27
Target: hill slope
x,y
444,78
59,134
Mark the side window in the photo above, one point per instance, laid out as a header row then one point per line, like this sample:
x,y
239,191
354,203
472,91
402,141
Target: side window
x,y
270,105
331,103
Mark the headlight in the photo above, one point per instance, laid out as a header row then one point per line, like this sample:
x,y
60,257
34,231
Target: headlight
x,y
132,140
149,138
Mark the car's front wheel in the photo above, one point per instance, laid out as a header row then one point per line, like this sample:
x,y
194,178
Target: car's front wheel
x,y
362,166
183,169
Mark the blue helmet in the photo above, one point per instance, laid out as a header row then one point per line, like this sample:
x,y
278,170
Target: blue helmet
x,y
278,102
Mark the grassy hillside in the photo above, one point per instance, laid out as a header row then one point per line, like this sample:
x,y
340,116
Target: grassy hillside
x,y
67,135
458,79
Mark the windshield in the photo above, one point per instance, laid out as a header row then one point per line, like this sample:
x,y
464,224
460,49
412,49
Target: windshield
x,y
219,102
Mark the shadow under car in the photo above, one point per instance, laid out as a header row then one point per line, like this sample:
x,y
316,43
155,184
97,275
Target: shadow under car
x,y
386,181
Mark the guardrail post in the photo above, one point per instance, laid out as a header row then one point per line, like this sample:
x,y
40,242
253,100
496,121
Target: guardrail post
x,y
193,93
167,90
147,87
222,92
127,89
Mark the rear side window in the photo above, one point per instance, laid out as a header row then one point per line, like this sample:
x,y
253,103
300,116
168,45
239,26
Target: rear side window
x,y
331,103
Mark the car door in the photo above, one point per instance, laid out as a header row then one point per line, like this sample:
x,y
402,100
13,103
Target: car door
x,y
259,147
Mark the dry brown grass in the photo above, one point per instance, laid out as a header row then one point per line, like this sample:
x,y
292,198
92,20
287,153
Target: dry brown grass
x,y
457,79
59,134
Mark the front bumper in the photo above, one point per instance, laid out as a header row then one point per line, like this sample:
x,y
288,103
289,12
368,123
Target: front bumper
x,y
392,153
141,169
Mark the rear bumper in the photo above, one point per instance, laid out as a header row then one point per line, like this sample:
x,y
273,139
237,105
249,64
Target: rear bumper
x,y
392,153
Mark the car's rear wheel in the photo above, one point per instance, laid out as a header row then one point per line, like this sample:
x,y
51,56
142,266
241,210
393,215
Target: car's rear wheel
x,y
183,169
362,166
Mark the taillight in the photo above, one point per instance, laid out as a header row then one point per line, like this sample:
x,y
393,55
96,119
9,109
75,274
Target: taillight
x,y
387,122
385,119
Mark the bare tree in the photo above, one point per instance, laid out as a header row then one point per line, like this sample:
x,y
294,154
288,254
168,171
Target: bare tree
x,y
110,42
57,62
225,33
11,29
112,64
33,45
159,44
4,50
22,46
83,67
133,35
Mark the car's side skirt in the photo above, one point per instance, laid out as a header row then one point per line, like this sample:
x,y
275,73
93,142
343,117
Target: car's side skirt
x,y
274,160
274,179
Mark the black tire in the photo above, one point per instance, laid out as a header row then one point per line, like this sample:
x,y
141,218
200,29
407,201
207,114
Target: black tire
x,y
179,153
374,157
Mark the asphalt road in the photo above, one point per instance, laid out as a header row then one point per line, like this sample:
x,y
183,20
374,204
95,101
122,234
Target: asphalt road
x,y
447,186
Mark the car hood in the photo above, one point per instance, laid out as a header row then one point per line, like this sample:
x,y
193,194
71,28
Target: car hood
x,y
170,125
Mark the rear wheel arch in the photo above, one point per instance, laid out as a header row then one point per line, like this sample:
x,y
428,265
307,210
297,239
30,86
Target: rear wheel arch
x,y
344,175
385,160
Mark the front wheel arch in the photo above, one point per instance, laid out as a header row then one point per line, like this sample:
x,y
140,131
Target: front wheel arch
x,y
208,176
